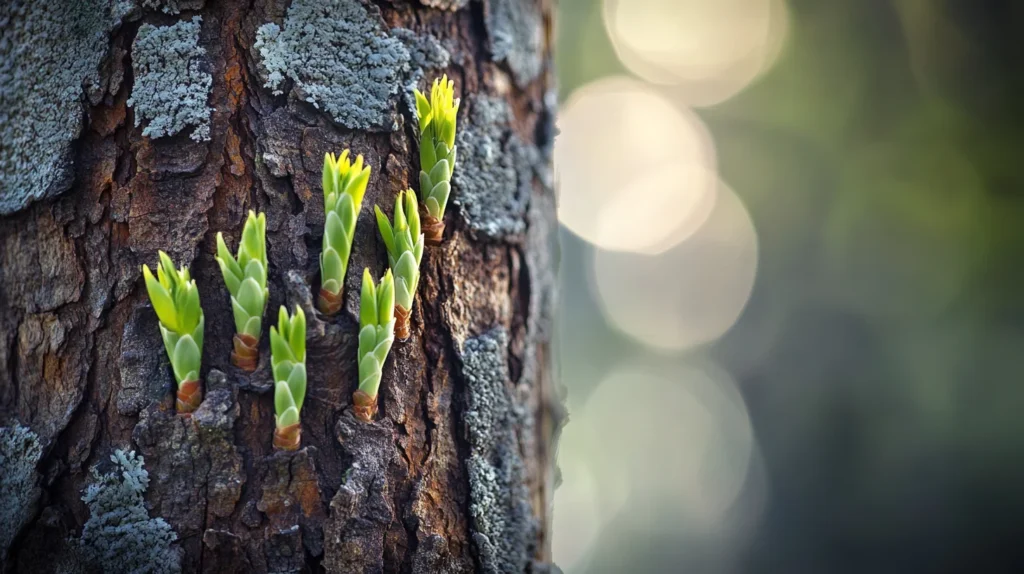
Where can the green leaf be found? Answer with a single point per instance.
(283, 399)
(250, 297)
(369, 375)
(230, 279)
(451, 158)
(186, 359)
(331, 268)
(297, 337)
(367, 339)
(386, 232)
(403, 292)
(407, 268)
(229, 259)
(422, 109)
(368, 300)
(425, 184)
(297, 384)
(189, 310)
(257, 271)
(328, 175)
(440, 193)
(386, 298)
(433, 207)
(279, 349)
(288, 418)
(346, 211)
(241, 316)
(161, 299)
(382, 349)
(334, 230)
(170, 339)
(427, 156)
(170, 273)
(357, 189)
(252, 327)
(197, 333)
(440, 172)
(417, 250)
(282, 370)
(412, 211)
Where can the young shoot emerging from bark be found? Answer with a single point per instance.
(344, 187)
(376, 334)
(176, 300)
(288, 362)
(437, 153)
(405, 249)
(246, 279)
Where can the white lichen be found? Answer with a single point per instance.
(339, 59)
(20, 452)
(171, 87)
(119, 535)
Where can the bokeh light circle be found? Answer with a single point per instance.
(709, 49)
(690, 294)
(635, 172)
(678, 439)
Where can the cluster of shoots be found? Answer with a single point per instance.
(404, 243)
(246, 278)
(376, 335)
(288, 362)
(344, 186)
(437, 153)
(175, 299)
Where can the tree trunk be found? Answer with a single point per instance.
(193, 113)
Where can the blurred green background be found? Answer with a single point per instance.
(790, 313)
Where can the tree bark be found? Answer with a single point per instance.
(455, 475)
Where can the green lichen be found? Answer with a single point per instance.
(339, 59)
(47, 55)
(171, 87)
(119, 535)
(20, 452)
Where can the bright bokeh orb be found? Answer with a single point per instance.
(635, 172)
(708, 50)
(692, 293)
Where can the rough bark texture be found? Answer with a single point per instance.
(455, 475)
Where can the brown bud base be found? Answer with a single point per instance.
(287, 438)
(247, 353)
(402, 322)
(433, 230)
(190, 396)
(329, 303)
(364, 406)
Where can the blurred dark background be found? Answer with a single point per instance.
(792, 342)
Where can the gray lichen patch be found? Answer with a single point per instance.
(502, 520)
(171, 87)
(172, 6)
(339, 59)
(446, 4)
(493, 175)
(426, 53)
(514, 30)
(47, 55)
(20, 452)
(119, 535)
